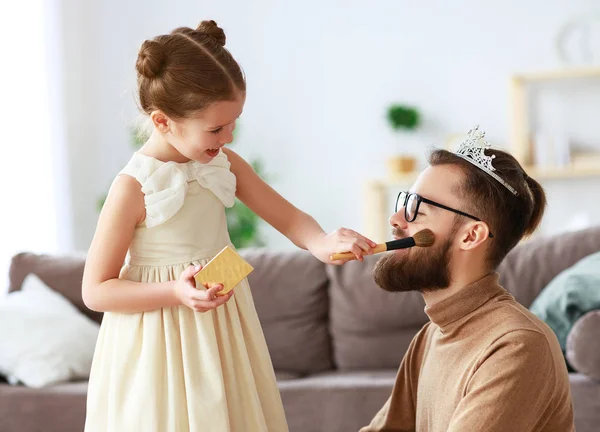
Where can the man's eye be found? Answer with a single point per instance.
(216, 131)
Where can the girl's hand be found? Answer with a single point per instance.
(198, 299)
(341, 240)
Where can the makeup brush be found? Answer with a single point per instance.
(423, 238)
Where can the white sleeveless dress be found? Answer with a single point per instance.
(174, 369)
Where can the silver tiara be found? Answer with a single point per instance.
(472, 149)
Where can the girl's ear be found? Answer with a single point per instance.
(160, 121)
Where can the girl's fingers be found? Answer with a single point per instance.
(364, 240)
(190, 272)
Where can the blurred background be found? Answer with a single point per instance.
(344, 100)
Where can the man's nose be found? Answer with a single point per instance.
(397, 220)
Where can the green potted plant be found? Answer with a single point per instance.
(402, 118)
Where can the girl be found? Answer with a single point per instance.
(171, 357)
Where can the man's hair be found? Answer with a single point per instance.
(510, 217)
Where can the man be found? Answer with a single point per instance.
(483, 362)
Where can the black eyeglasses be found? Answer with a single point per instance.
(412, 201)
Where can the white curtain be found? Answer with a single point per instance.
(34, 197)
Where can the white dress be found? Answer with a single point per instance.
(174, 369)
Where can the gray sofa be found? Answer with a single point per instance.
(335, 339)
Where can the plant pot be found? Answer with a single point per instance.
(401, 165)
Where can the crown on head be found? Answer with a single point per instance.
(472, 149)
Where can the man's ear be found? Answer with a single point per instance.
(473, 234)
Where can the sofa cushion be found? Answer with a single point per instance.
(290, 293)
(61, 273)
(58, 408)
(530, 266)
(285, 376)
(335, 401)
(586, 402)
(371, 328)
(583, 345)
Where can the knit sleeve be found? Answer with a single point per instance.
(516, 386)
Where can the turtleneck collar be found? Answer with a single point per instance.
(467, 300)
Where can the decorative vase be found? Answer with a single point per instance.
(401, 164)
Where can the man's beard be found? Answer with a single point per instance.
(422, 269)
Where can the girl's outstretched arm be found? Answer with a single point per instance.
(296, 225)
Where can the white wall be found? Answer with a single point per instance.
(320, 75)
(82, 118)
(35, 207)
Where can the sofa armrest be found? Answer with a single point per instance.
(583, 345)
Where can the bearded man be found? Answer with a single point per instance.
(483, 362)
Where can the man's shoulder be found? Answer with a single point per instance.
(513, 328)
(508, 317)
(422, 339)
(427, 329)
(420, 342)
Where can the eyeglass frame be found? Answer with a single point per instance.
(421, 199)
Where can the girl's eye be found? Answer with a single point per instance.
(216, 131)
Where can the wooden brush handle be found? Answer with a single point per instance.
(349, 255)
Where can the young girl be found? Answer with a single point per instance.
(171, 357)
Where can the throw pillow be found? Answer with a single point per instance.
(569, 296)
(44, 339)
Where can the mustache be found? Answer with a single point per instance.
(399, 233)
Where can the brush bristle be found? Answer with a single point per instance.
(424, 238)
